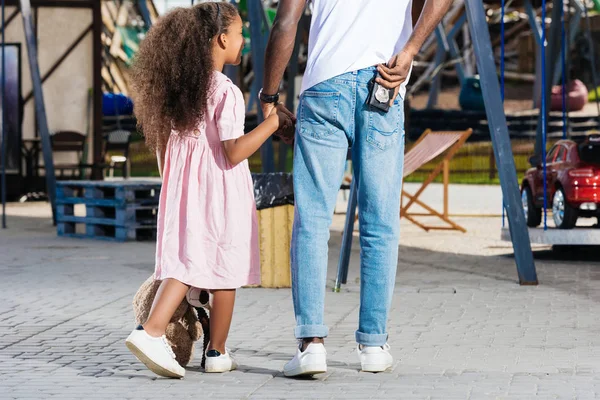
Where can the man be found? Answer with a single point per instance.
(351, 43)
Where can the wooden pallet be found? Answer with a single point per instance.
(119, 211)
(130, 214)
(105, 232)
(102, 193)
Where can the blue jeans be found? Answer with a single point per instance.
(332, 116)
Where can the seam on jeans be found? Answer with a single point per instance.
(311, 93)
(352, 129)
(342, 81)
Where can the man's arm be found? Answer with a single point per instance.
(280, 45)
(432, 14)
(395, 73)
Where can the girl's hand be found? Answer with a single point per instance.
(284, 117)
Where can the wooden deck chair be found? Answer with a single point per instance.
(427, 148)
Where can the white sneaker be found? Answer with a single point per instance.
(217, 362)
(374, 358)
(311, 361)
(155, 353)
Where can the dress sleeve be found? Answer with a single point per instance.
(231, 114)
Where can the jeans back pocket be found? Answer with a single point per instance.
(318, 113)
(385, 128)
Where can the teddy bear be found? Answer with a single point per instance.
(189, 323)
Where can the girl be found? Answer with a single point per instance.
(193, 116)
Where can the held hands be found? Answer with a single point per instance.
(286, 121)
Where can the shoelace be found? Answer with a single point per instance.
(167, 345)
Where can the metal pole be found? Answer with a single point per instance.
(502, 52)
(440, 57)
(143, 6)
(537, 35)
(344, 261)
(592, 60)
(39, 104)
(543, 114)
(501, 142)
(98, 138)
(550, 57)
(563, 57)
(4, 152)
(259, 36)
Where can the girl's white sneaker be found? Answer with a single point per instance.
(217, 362)
(155, 353)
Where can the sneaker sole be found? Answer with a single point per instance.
(212, 370)
(151, 365)
(375, 367)
(306, 370)
(217, 368)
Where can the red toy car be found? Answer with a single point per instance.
(573, 183)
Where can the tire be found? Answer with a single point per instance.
(533, 214)
(565, 216)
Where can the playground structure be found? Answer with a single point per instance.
(116, 26)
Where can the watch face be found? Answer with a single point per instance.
(382, 95)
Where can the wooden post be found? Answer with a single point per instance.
(446, 183)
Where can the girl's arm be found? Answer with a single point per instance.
(238, 150)
(160, 159)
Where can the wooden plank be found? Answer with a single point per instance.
(108, 221)
(153, 11)
(119, 79)
(105, 232)
(275, 230)
(121, 21)
(108, 80)
(112, 8)
(107, 18)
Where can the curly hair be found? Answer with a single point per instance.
(171, 74)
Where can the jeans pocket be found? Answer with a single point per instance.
(385, 128)
(318, 113)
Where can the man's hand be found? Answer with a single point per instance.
(287, 130)
(395, 72)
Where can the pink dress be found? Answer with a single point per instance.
(207, 234)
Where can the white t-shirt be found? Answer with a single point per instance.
(349, 35)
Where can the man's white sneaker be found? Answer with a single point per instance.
(155, 353)
(311, 361)
(217, 362)
(374, 358)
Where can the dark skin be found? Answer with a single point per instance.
(426, 13)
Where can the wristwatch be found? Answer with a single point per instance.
(268, 98)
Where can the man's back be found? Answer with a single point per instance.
(349, 35)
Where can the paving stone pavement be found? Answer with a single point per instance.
(460, 326)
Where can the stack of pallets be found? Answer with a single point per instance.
(119, 210)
